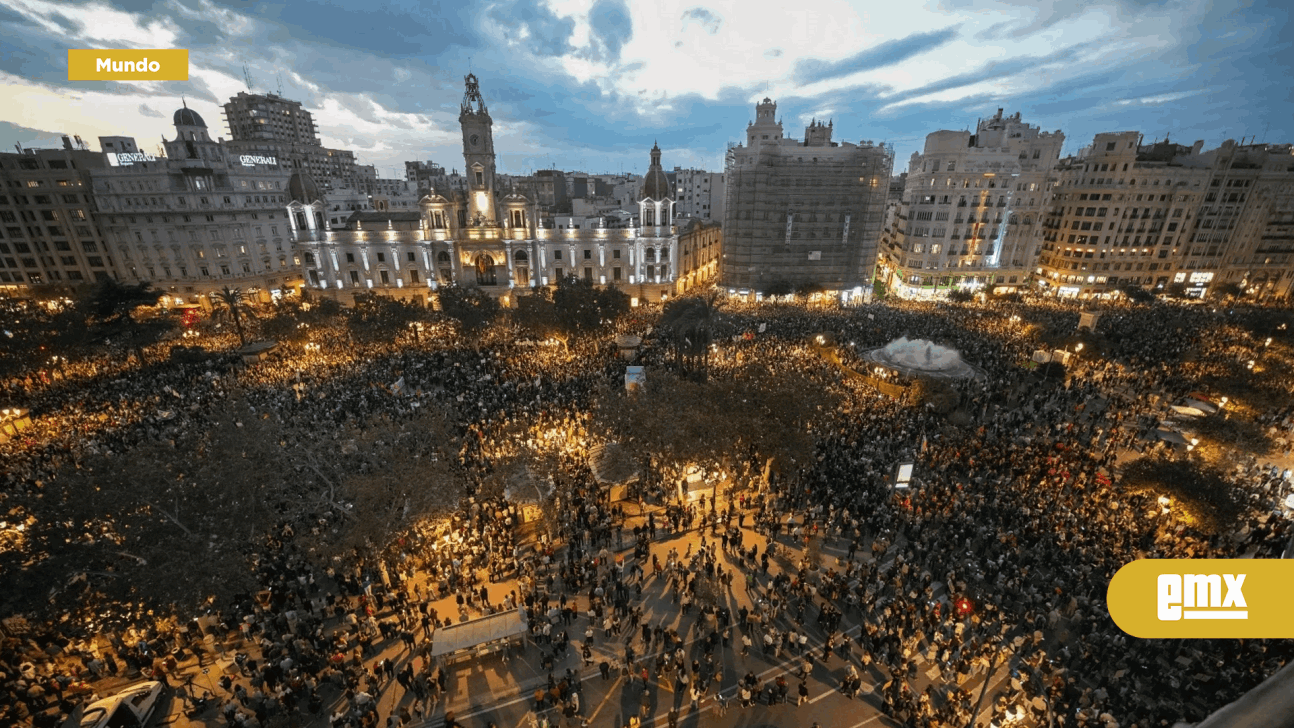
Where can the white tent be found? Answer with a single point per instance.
(478, 632)
(1187, 411)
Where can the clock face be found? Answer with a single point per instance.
(474, 139)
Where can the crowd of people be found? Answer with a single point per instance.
(997, 560)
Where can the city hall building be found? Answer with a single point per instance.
(484, 235)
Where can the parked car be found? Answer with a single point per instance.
(130, 708)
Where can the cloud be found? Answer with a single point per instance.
(1160, 99)
(538, 29)
(597, 80)
(885, 54)
(705, 18)
(611, 25)
(11, 134)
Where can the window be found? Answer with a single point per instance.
(615, 254)
(354, 277)
(557, 255)
(588, 254)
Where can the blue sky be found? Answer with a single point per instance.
(590, 84)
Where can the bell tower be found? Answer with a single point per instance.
(478, 155)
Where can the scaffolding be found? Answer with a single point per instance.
(807, 215)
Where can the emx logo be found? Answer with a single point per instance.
(1205, 598)
(1202, 598)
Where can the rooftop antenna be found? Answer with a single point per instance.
(247, 76)
(280, 78)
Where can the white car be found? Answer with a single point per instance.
(130, 708)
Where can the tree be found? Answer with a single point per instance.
(235, 305)
(879, 290)
(472, 308)
(687, 325)
(1201, 490)
(109, 310)
(576, 309)
(383, 318)
(1223, 291)
(171, 521)
(1175, 290)
(31, 334)
(807, 289)
(960, 295)
(779, 287)
(1137, 294)
(537, 314)
(938, 394)
(613, 303)
(296, 320)
(753, 413)
(112, 302)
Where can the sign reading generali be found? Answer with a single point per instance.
(252, 160)
(125, 159)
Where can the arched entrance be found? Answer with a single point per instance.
(485, 271)
(521, 268)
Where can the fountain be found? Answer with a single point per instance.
(921, 358)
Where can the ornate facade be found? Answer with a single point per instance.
(482, 235)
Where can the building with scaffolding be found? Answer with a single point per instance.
(805, 213)
(971, 211)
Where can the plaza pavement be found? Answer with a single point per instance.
(499, 689)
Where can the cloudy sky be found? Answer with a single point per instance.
(589, 84)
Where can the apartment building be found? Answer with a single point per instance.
(270, 125)
(970, 214)
(48, 235)
(1123, 213)
(700, 248)
(700, 194)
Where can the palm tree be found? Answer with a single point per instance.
(236, 305)
(688, 325)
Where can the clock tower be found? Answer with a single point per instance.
(478, 155)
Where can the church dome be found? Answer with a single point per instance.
(188, 117)
(656, 185)
(302, 188)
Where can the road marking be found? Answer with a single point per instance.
(878, 716)
(610, 694)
